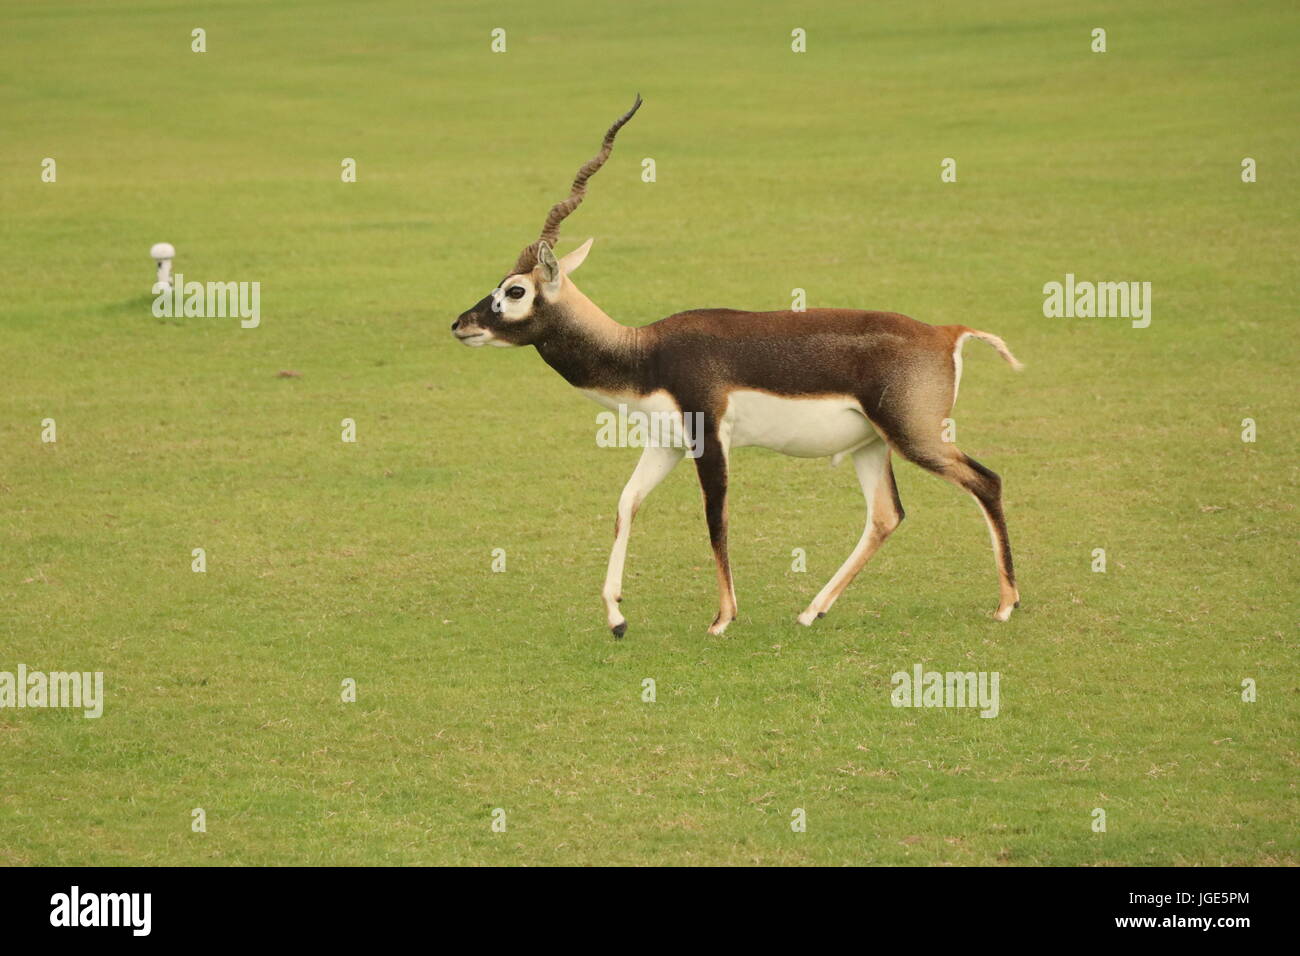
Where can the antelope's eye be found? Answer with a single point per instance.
(516, 291)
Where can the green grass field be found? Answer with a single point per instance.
(373, 560)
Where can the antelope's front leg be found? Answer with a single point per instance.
(712, 468)
(654, 466)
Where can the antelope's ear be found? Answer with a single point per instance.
(576, 258)
(547, 266)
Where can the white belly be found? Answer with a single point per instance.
(803, 427)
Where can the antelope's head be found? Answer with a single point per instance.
(537, 293)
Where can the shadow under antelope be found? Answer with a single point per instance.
(824, 382)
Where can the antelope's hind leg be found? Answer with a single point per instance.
(654, 466)
(884, 514)
(913, 420)
(985, 487)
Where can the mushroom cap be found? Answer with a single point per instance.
(162, 250)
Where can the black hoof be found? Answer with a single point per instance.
(820, 615)
(619, 630)
(1017, 604)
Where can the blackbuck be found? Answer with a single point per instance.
(817, 383)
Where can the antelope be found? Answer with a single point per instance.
(818, 383)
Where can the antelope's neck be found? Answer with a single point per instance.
(592, 351)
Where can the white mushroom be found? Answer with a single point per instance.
(163, 253)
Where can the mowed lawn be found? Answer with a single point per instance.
(373, 561)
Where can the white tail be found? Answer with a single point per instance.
(998, 344)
